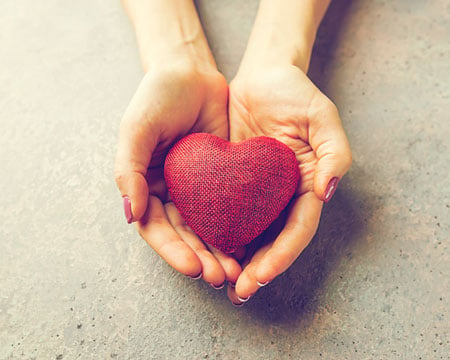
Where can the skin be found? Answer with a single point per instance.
(182, 92)
(271, 95)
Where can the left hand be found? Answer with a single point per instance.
(281, 102)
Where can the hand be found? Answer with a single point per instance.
(170, 102)
(281, 102)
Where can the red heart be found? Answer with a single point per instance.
(229, 193)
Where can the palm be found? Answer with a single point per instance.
(187, 111)
(277, 106)
(168, 105)
(280, 105)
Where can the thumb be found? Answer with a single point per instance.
(330, 144)
(137, 141)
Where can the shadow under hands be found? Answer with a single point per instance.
(293, 297)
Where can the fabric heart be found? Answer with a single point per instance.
(229, 193)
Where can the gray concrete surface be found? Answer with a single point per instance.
(77, 282)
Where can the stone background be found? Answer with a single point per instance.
(77, 282)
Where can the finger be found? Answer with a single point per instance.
(301, 224)
(231, 293)
(212, 271)
(247, 283)
(330, 144)
(138, 137)
(156, 229)
(229, 264)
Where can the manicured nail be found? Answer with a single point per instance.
(244, 299)
(331, 188)
(196, 277)
(237, 305)
(127, 209)
(218, 287)
(262, 284)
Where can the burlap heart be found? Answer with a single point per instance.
(229, 193)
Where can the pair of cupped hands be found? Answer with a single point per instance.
(174, 100)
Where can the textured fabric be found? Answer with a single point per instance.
(229, 193)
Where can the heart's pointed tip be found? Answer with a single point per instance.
(227, 247)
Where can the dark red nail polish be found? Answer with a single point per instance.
(127, 209)
(331, 188)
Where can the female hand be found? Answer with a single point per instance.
(281, 102)
(170, 102)
(181, 92)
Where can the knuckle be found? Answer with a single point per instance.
(323, 109)
(304, 230)
(158, 222)
(183, 227)
(347, 159)
(280, 260)
(141, 232)
(273, 268)
(331, 108)
(118, 177)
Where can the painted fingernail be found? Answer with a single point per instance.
(127, 209)
(331, 188)
(238, 304)
(218, 287)
(196, 277)
(262, 284)
(244, 299)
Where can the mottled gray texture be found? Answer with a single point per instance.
(77, 282)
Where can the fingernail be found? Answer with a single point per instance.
(244, 299)
(262, 284)
(331, 188)
(237, 305)
(218, 287)
(127, 209)
(196, 277)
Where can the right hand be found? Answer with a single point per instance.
(170, 102)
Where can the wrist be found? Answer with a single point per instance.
(183, 53)
(168, 32)
(284, 33)
(269, 49)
